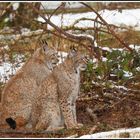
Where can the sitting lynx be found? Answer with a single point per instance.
(55, 104)
(20, 90)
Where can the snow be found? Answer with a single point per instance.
(104, 59)
(138, 69)
(106, 49)
(62, 56)
(133, 133)
(15, 5)
(126, 17)
(127, 74)
(121, 87)
(54, 5)
(136, 47)
(7, 68)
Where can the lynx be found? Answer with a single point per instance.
(56, 103)
(20, 90)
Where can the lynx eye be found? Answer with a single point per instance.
(44, 49)
(54, 55)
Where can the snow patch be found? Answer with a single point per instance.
(62, 55)
(138, 69)
(106, 49)
(121, 87)
(127, 74)
(7, 69)
(54, 5)
(126, 18)
(104, 59)
(15, 6)
(133, 133)
(135, 47)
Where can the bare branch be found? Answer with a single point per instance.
(108, 27)
(81, 19)
(29, 132)
(90, 19)
(59, 7)
(6, 10)
(61, 31)
(66, 28)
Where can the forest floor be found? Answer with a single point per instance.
(97, 115)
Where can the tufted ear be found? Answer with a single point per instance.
(73, 52)
(44, 45)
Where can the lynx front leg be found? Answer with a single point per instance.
(74, 112)
(74, 115)
(67, 111)
(50, 118)
(48, 123)
(42, 123)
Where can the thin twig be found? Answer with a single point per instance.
(66, 28)
(108, 27)
(61, 31)
(59, 7)
(94, 20)
(66, 35)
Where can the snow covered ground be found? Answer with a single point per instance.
(54, 5)
(127, 17)
(7, 69)
(133, 133)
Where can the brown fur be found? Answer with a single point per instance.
(20, 91)
(55, 104)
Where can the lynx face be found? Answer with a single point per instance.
(80, 60)
(50, 54)
(52, 59)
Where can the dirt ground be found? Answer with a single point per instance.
(97, 115)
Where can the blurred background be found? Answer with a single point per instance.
(108, 31)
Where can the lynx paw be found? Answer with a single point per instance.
(54, 129)
(79, 125)
(39, 127)
(75, 126)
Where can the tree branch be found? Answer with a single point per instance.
(108, 27)
(61, 31)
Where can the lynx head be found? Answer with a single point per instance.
(79, 59)
(50, 55)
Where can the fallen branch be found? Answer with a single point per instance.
(66, 28)
(11, 38)
(101, 23)
(29, 132)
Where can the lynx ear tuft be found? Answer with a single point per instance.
(73, 52)
(43, 44)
